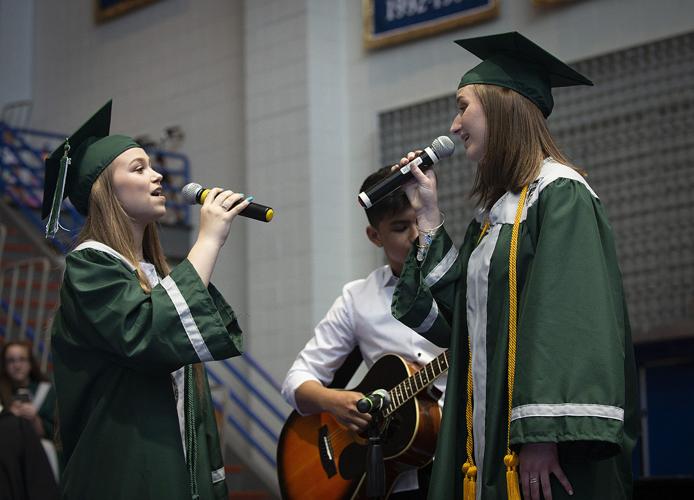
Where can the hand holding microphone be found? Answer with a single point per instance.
(442, 147)
(217, 213)
(219, 209)
(194, 193)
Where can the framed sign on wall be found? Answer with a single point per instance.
(105, 10)
(389, 22)
(545, 3)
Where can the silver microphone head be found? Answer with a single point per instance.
(385, 395)
(190, 191)
(443, 146)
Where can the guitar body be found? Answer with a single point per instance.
(319, 458)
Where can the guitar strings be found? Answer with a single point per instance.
(402, 387)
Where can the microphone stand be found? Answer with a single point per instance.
(375, 468)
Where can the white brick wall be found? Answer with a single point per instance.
(171, 63)
(16, 37)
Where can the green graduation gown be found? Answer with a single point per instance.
(114, 349)
(575, 381)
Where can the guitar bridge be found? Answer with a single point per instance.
(325, 449)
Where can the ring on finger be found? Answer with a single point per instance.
(533, 480)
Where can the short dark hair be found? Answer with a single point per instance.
(391, 204)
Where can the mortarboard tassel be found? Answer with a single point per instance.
(512, 487)
(54, 217)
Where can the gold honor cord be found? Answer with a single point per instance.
(511, 459)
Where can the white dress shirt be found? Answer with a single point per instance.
(361, 316)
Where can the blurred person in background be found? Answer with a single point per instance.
(27, 393)
(25, 473)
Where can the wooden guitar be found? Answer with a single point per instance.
(318, 458)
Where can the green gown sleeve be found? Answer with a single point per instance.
(425, 294)
(572, 325)
(180, 322)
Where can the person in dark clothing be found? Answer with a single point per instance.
(24, 470)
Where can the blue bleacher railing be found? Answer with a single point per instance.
(16, 319)
(22, 153)
(21, 179)
(244, 432)
(252, 388)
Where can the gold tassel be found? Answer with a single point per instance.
(469, 483)
(512, 486)
(464, 468)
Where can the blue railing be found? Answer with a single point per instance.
(16, 319)
(278, 414)
(253, 390)
(271, 434)
(22, 154)
(21, 169)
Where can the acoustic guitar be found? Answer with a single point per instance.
(318, 458)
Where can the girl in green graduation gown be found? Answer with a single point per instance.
(135, 413)
(541, 391)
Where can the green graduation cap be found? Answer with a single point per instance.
(511, 60)
(74, 166)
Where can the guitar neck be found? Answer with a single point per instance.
(413, 385)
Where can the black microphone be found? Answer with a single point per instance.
(194, 193)
(442, 147)
(371, 403)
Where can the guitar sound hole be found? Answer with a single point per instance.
(392, 427)
(352, 460)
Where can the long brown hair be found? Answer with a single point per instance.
(108, 223)
(7, 385)
(517, 141)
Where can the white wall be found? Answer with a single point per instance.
(16, 23)
(176, 62)
(297, 153)
(278, 169)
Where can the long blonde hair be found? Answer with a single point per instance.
(517, 141)
(108, 223)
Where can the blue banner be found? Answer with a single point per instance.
(389, 15)
(393, 21)
(108, 9)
